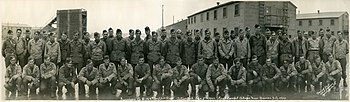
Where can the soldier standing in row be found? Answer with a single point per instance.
(162, 76)
(97, 50)
(8, 48)
(77, 52)
(109, 41)
(272, 48)
(326, 45)
(341, 50)
(258, 45)
(207, 48)
(36, 49)
(153, 50)
(188, 53)
(173, 49)
(128, 40)
(119, 48)
(65, 48)
(285, 50)
(313, 47)
(148, 34)
(226, 50)
(163, 41)
(53, 50)
(242, 49)
(137, 49)
(299, 46)
(21, 48)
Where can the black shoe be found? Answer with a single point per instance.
(345, 84)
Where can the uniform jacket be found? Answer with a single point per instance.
(285, 48)
(340, 49)
(306, 66)
(119, 49)
(66, 48)
(53, 50)
(180, 73)
(109, 44)
(160, 70)
(272, 50)
(213, 73)
(188, 53)
(27, 71)
(327, 44)
(271, 71)
(8, 47)
(300, 47)
(13, 71)
(319, 70)
(289, 71)
(333, 67)
(87, 53)
(137, 49)
(314, 44)
(77, 51)
(108, 72)
(66, 72)
(142, 71)
(125, 72)
(257, 68)
(153, 50)
(21, 46)
(86, 75)
(226, 48)
(172, 49)
(207, 48)
(242, 48)
(199, 70)
(48, 70)
(239, 75)
(258, 45)
(97, 50)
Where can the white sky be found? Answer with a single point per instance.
(126, 14)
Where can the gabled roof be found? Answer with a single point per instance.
(320, 15)
(232, 2)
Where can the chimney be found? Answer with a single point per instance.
(318, 11)
(217, 3)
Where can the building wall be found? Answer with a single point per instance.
(5, 29)
(315, 24)
(182, 25)
(344, 22)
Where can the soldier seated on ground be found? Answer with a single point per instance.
(254, 75)
(237, 79)
(287, 80)
(67, 78)
(162, 76)
(216, 77)
(30, 76)
(180, 80)
(334, 72)
(13, 78)
(270, 76)
(197, 77)
(89, 76)
(107, 77)
(48, 78)
(318, 74)
(304, 69)
(143, 77)
(125, 75)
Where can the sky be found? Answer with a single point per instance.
(130, 14)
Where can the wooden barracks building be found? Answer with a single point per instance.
(235, 15)
(335, 21)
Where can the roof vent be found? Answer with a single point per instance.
(217, 3)
(318, 11)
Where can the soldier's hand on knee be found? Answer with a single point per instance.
(199, 79)
(250, 82)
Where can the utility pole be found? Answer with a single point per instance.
(163, 16)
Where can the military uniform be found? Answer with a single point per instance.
(143, 71)
(334, 72)
(254, 80)
(272, 50)
(237, 76)
(128, 44)
(173, 49)
(53, 50)
(107, 76)
(288, 78)
(13, 79)
(118, 50)
(285, 52)
(180, 81)
(109, 44)
(137, 49)
(299, 48)
(30, 75)
(313, 49)
(68, 78)
(216, 74)
(65, 47)
(163, 75)
(341, 50)
(163, 46)
(21, 51)
(36, 50)
(153, 50)
(188, 53)
(207, 49)
(270, 75)
(48, 78)
(77, 54)
(97, 51)
(242, 50)
(125, 79)
(258, 47)
(326, 46)
(319, 74)
(198, 70)
(304, 74)
(8, 50)
(88, 76)
(87, 53)
(226, 48)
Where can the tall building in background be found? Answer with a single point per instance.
(13, 26)
(235, 15)
(182, 25)
(335, 21)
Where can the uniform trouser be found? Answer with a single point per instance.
(269, 85)
(166, 83)
(97, 63)
(229, 62)
(201, 92)
(33, 87)
(128, 87)
(287, 85)
(68, 86)
(145, 85)
(317, 84)
(221, 84)
(92, 88)
(48, 86)
(109, 86)
(343, 66)
(81, 87)
(336, 78)
(312, 55)
(256, 86)
(237, 90)
(8, 58)
(301, 81)
(13, 85)
(22, 59)
(151, 63)
(181, 90)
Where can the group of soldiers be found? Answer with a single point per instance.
(245, 63)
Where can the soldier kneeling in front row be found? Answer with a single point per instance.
(237, 79)
(162, 76)
(13, 78)
(216, 77)
(30, 76)
(89, 76)
(67, 78)
(180, 80)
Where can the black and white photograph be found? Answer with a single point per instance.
(166, 50)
